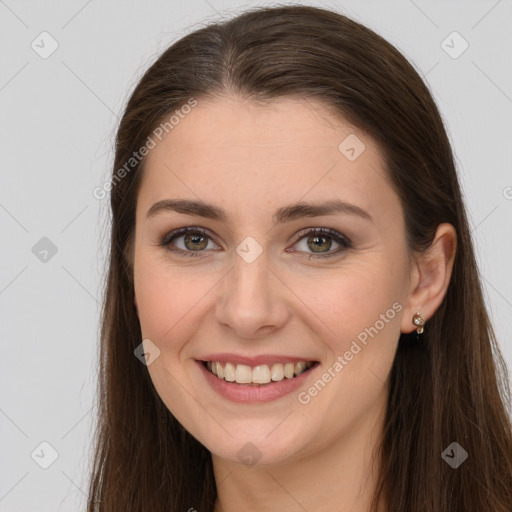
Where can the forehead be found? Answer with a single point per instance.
(249, 155)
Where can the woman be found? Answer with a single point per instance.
(293, 317)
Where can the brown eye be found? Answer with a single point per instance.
(320, 240)
(317, 243)
(197, 242)
(187, 241)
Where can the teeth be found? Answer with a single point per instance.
(299, 367)
(220, 371)
(243, 374)
(229, 372)
(277, 372)
(289, 370)
(261, 374)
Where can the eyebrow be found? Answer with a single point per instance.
(283, 214)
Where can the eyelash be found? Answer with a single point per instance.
(330, 233)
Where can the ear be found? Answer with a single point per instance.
(430, 277)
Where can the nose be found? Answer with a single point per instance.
(251, 301)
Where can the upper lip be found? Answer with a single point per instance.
(253, 360)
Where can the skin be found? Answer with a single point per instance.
(250, 160)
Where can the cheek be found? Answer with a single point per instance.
(360, 311)
(348, 301)
(170, 303)
(166, 312)
(162, 302)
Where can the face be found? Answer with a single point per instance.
(255, 282)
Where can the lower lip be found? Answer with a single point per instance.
(254, 394)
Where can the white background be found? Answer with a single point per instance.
(57, 125)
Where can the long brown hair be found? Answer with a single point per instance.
(451, 385)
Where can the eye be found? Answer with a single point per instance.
(193, 241)
(319, 241)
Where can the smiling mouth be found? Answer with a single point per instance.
(261, 375)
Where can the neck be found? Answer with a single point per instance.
(341, 476)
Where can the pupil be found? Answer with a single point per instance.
(318, 243)
(196, 239)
